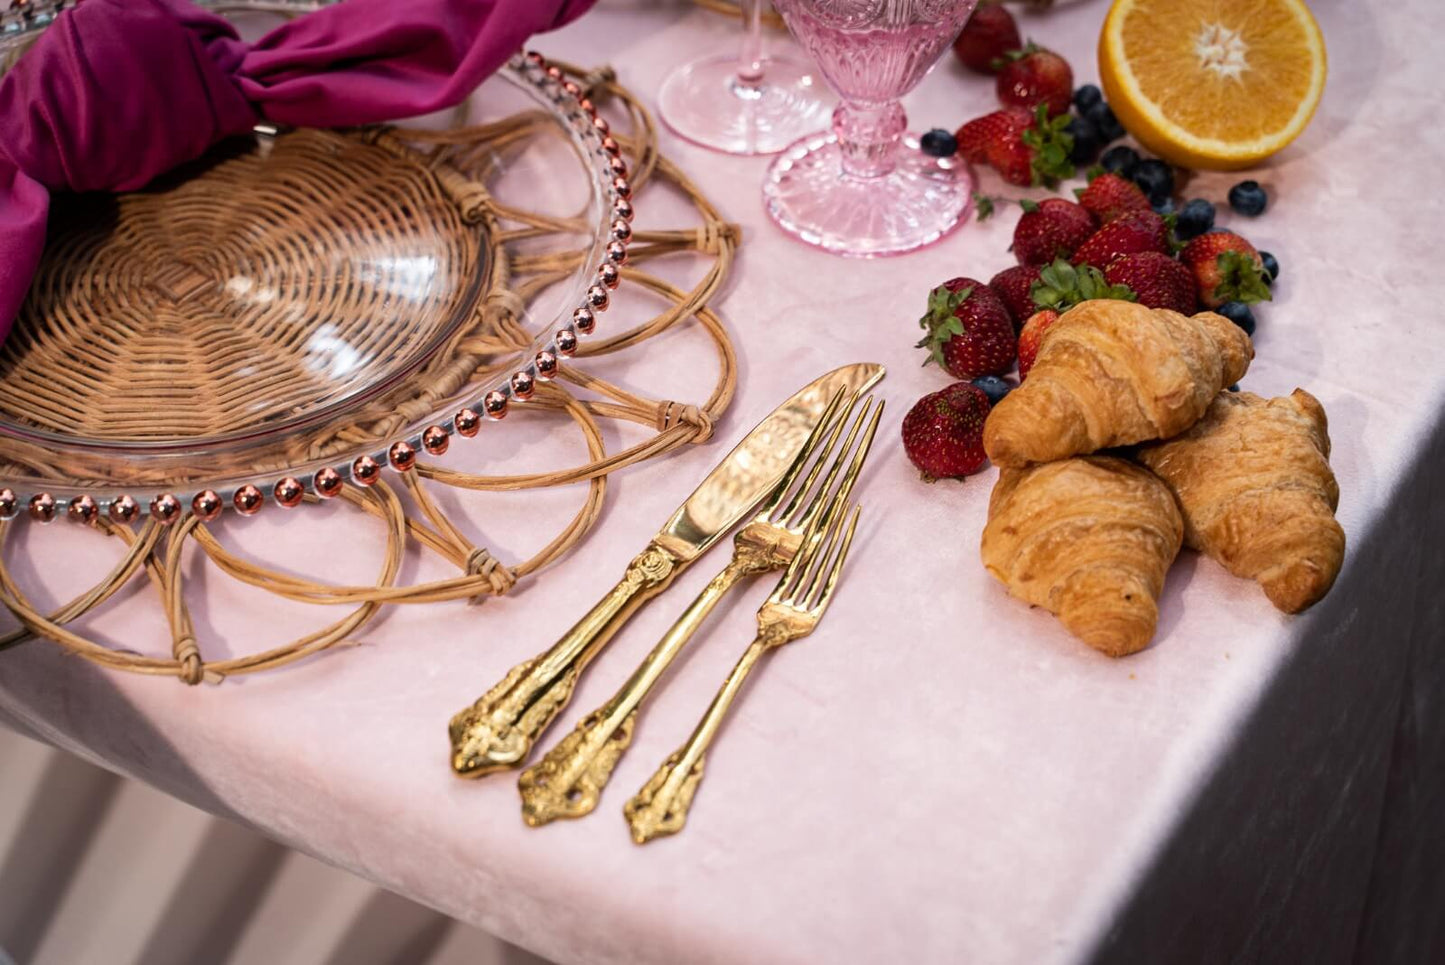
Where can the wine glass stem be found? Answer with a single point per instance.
(750, 57)
(868, 137)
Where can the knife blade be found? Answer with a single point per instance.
(498, 730)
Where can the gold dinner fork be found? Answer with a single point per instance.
(568, 780)
(792, 611)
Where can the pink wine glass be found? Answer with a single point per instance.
(745, 104)
(865, 188)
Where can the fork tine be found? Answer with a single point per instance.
(799, 564)
(854, 467)
(817, 564)
(835, 566)
(823, 456)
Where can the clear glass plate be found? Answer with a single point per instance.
(299, 303)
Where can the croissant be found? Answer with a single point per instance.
(1254, 482)
(1112, 373)
(1089, 539)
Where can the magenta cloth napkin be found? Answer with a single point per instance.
(116, 92)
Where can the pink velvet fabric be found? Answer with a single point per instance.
(116, 92)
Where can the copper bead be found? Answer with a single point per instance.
(617, 253)
(327, 482)
(622, 188)
(600, 123)
(206, 505)
(83, 510)
(609, 275)
(124, 510)
(566, 340)
(166, 508)
(248, 500)
(402, 456)
(535, 58)
(617, 166)
(570, 86)
(523, 385)
(585, 320)
(288, 492)
(365, 471)
(496, 404)
(42, 507)
(610, 145)
(621, 231)
(554, 72)
(467, 422)
(435, 440)
(623, 209)
(546, 366)
(598, 298)
(9, 504)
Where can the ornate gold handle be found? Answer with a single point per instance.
(568, 780)
(498, 731)
(661, 806)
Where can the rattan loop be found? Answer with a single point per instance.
(482, 563)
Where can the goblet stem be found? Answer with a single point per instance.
(750, 55)
(868, 137)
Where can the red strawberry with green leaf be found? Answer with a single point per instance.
(989, 34)
(1061, 286)
(1025, 149)
(1108, 196)
(1157, 281)
(943, 432)
(1029, 338)
(1014, 286)
(969, 330)
(1034, 76)
(1125, 235)
(1049, 229)
(1226, 269)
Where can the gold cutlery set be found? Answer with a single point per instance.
(801, 464)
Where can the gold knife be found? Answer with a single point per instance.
(498, 731)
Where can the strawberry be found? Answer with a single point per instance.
(1014, 286)
(979, 138)
(1035, 76)
(1226, 269)
(1061, 286)
(969, 330)
(1140, 231)
(989, 34)
(1157, 280)
(1026, 150)
(1053, 228)
(1034, 329)
(1108, 196)
(943, 432)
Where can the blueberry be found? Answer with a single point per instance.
(1195, 218)
(1121, 160)
(1234, 387)
(1155, 178)
(938, 143)
(1271, 266)
(1086, 140)
(1087, 96)
(1248, 198)
(1103, 117)
(1239, 314)
(993, 387)
(1165, 207)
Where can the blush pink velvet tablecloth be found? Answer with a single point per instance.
(940, 774)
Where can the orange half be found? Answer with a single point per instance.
(1219, 84)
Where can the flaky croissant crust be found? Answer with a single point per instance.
(1254, 483)
(1090, 540)
(1113, 373)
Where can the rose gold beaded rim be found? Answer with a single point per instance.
(364, 471)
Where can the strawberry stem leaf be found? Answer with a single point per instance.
(1241, 279)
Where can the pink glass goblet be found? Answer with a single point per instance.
(750, 103)
(865, 188)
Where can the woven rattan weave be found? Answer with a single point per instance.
(145, 275)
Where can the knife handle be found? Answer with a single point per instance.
(498, 731)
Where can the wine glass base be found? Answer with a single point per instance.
(705, 103)
(919, 202)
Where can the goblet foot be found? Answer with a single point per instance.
(920, 201)
(705, 102)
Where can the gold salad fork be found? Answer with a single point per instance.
(568, 780)
(792, 611)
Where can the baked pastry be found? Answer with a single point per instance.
(1089, 539)
(1254, 483)
(1113, 373)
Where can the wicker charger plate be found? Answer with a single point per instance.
(486, 264)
